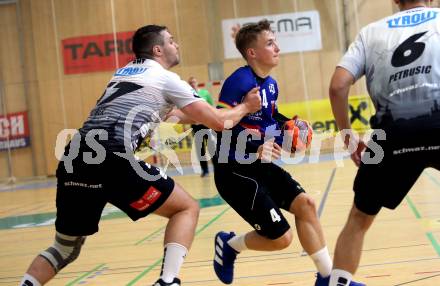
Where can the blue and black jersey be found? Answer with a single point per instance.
(261, 125)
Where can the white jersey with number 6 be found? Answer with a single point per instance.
(400, 57)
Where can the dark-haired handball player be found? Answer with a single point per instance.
(258, 189)
(141, 94)
(399, 56)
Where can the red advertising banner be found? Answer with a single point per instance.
(96, 53)
(14, 131)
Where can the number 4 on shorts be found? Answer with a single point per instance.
(275, 216)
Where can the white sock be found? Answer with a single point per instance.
(174, 254)
(323, 262)
(340, 277)
(238, 243)
(29, 280)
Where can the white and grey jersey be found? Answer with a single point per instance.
(400, 57)
(136, 99)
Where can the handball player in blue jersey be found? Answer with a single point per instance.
(245, 176)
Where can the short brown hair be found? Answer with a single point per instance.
(248, 34)
(145, 39)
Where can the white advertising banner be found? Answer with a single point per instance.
(295, 32)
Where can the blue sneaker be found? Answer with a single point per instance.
(321, 281)
(224, 257)
(354, 283)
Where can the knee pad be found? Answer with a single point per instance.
(64, 251)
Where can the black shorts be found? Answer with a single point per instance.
(257, 192)
(82, 194)
(407, 150)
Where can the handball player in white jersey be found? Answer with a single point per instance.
(399, 56)
(99, 165)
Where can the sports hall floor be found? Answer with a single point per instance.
(402, 248)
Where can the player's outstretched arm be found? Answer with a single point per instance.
(181, 117)
(339, 89)
(217, 119)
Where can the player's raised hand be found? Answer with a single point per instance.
(252, 100)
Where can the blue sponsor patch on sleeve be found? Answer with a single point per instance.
(129, 71)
